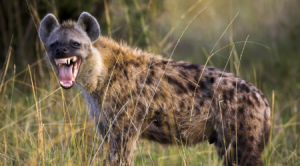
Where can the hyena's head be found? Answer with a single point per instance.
(68, 45)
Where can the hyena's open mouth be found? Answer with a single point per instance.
(67, 70)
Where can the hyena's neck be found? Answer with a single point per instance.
(92, 73)
(108, 57)
(114, 54)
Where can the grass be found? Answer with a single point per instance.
(41, 124)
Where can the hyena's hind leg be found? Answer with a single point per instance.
(246, 153)
(245, 147)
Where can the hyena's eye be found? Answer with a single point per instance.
(53, 45)
(76, 44)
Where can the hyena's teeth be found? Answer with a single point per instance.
(74, 59)
(66, 84)
(56, 62)
(75, 69)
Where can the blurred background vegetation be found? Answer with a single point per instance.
(270, 60)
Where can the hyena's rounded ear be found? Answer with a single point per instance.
(90, 25)
(47, 25)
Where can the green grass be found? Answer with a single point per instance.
(41, 124)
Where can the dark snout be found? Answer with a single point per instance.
(62, 50)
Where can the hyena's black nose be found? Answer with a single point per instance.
(61, 50)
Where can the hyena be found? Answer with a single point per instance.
(132, 94)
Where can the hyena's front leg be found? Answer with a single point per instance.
(122, 145)
(102, 126)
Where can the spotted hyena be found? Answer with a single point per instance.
(135, 94)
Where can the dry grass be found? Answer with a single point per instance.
(41, 124)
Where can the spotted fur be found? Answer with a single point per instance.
(135, 94)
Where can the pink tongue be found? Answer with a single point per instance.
(65, 73)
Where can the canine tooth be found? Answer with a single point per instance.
(74, 59)
(55, 61)
(75, 73)
(61, 82)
